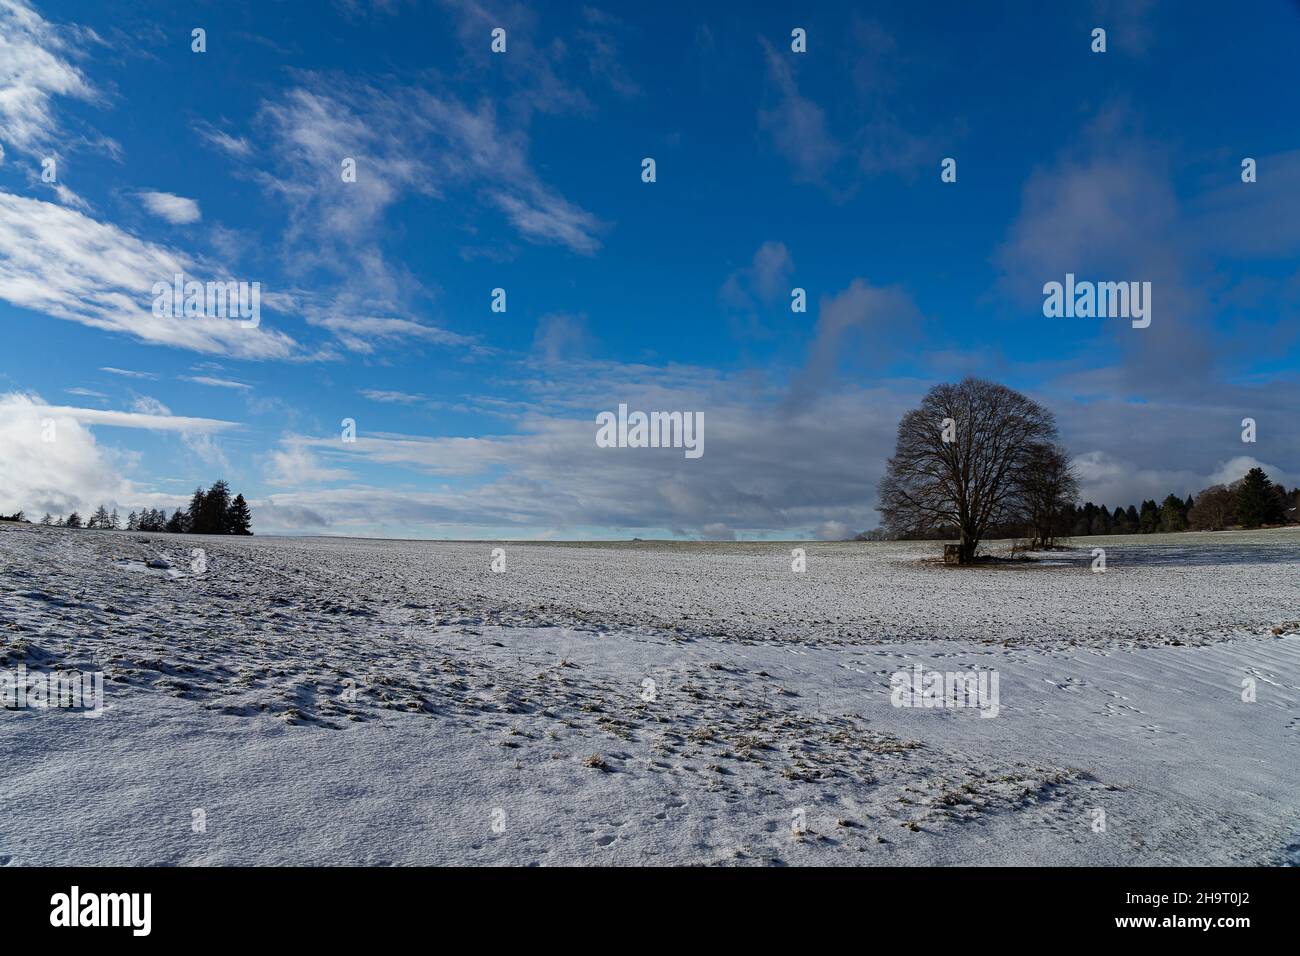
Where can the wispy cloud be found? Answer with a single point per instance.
(416, 141)
(407, 143)
(392, 397)
(867, 135)
(157, 420)
(765, 280)
(61, 263)
(34, 68)
(294, 464)
(235, 146)
(796, 124)
(1106, 207)
(127, 373)
(215, 382)
(561, 335)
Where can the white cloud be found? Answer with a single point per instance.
(764, 468)
(359, 332)
(561, 335)
(834, 531)
(175, 209)
(195, 433)
(877, 318)
(293, 463)
(717, 531)
(543, 216)
(64, 264)
(1105, 208)
(1236, 467)
(127, 373)
(214, 382)
(69, 198)
(69, 473)
(154, 417)
(412, 141)
(33, 70)
(771, 466)
(796, 124)
(391, 397)
(1105, 478)
(766, 279)
(236, 146)
(70, 470)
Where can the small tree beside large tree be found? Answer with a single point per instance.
(1049, 487)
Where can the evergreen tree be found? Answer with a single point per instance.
(216, 504)
(1083, 519)
(74, 520)
(1281, 505)
(113, 522)
(1171, 514)
(47, 519)
(1065, 521)
(176, 523)
(1149, 517)
(239, 520)
(1101, 521)
(1254, 499)
(1119, 522)
(99, 519)
(132, 522)
(195, 513)
(1131, 519)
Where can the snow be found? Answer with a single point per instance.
(508, 719)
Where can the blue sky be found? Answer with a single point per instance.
(522, 171)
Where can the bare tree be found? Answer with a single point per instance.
(1048, 486)
(961, 460)
(1212, 510)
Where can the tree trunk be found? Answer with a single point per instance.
(968, 545)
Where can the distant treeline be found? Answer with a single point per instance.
(210, 512)
(1252, 501)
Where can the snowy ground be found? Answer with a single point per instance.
(649, 703)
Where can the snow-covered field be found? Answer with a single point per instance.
(354, 701)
